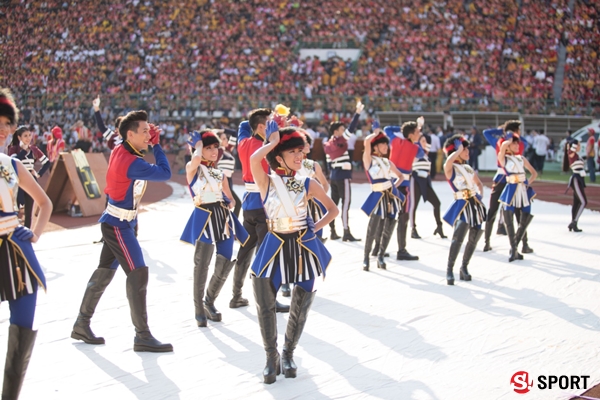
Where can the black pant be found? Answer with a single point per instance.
(117, 249)
(579, 200)
(415, 197)
(341, 190)
(255, 223)
(433, 158)
(497, 189)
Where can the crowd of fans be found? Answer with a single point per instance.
(176, 58)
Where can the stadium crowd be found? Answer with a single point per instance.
(175, 58)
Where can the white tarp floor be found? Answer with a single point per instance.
(399, 333)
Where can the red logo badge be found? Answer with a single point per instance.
(519, 382)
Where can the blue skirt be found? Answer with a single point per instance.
(515, 195)
(300, 256)
(385, 204)
(471, 211)
(199, 220)
(20, 271)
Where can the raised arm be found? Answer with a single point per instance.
(354, 123)
(448, 166)
(191, 167)
(258, 173)
(366, 158)
(502, 153)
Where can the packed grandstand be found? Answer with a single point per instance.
(182, 57)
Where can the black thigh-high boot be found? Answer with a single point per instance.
(372, 230)
(509, 224)
(137, 287)
(525, 249)
(489, 226)
(386, 235)
(18, 354)
(264, 294)
(474, 236)
(94, 290)
(222, 268)
(239, 274)
(458, 236)
(401, 231)
(301, 303)
(523, 224)
(202, 255)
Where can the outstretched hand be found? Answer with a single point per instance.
(375, 126)
(96, 103)
(359, 107)
(272, 127)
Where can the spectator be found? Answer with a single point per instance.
(540, 144)
(590, 152)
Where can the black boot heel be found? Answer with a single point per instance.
(272, 369)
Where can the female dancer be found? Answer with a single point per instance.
(385, 200)
(28, 154)
(290, 252)
(467, 212)
(577, 183)
(20, 272)
(211, 222)
(517, 193)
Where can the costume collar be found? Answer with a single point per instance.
(284, 171)
(132, 149)
(207, 163)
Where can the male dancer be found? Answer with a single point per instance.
(125, 185)
(420, 186)
(512, 127)
(402, 154)
(251, 135)
(336, 150)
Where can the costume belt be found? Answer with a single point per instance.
(121, 213)
(516, 178)
(207, 197)
(251, 187)
(8, 224)
(465, 194)
(381, 186)
(287, 224)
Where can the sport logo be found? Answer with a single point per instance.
(519, 382)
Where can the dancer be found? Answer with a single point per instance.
(125, 185)
(312, 169)
(420, 185)
(111, 137)
(19, 268)
(385, 201)
(251, 135)
(517, 193)
(210, 223)
(22, 149)
(336, 150)
(467, 213)
(226, 163)
(495, 138)
(577, 183)
(403, 151)
(289, 253)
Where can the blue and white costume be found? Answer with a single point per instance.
(516, 193)
(467, 205)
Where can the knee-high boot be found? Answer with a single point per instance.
(474, 236)
(202, 255)
(401, 231)
(137, 286)
(372, 229)
(264, 294)
(239, 274)
(512, 236)
(18, 354)
(93, 292)
(301, 303)
(458, 236)
(222, 268)
(489, 226)
(525, 249)
(386, 235)
(522, 231)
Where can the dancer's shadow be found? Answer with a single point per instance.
(365, 380)
(158, 385)
(403, 339)
(160, 269)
